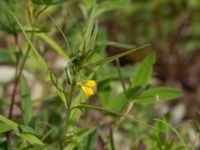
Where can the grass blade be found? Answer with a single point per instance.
(176, 132)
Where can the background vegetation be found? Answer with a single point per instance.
(85, 74)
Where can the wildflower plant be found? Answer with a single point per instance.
(87, 74)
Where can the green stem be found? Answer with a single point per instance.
(112, 145)
(115, 113)
(68, 111)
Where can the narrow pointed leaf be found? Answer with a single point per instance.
(4, 128)
(49, 2)
(26, 102)
(88, 33)
(33, 140)
(9, 122)
(115, 57)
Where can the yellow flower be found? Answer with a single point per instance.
(91, 83)
(88, 87)
(87, 90)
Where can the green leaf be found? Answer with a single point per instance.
(58, 86)
(115, 57)
(70, 146)
(158, 94)
(33, 140)
(117, 102)
(89, 139)
(49, 2)
(106, 6)
(161, 126)
(182, 140)
(26, 102)
(104, 91)
(134, 92)
(144, 71)
(7, 28)
(55, 2)
(9, 123)
(4, 128)
(120, 45)
(48, 133)
(54, 45)
(89, 38)
(43, 2)
(27, 129)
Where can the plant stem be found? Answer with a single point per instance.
(18, 75)
(130, 106)
(68, 111)
(16, 84)
(19, 71)
(122, 118)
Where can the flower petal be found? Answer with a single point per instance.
(91, 83)
(87, 90)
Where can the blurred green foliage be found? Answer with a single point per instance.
(52, 48)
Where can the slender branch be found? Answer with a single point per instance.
(131, 118)
(41, 11)
(18, 75)
(122, 118)
(16, 84)
(130, 106)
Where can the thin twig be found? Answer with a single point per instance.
(122, 118)
(16, 84)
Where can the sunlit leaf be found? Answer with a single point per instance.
(33, 140)
(9, 123)
(4, 128)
